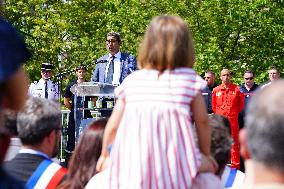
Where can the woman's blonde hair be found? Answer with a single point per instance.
(167, 44)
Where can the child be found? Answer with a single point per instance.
(152, 121)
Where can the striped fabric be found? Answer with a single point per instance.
(47, 175)
(154, 146)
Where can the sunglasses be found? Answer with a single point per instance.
(111, 41)
(249, 78)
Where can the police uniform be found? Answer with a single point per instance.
(38, 89)
(229, 101)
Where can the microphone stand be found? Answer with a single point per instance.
(59, 79)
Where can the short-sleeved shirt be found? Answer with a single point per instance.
(69, 94)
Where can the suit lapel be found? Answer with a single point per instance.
(103, 68)
(122, 65)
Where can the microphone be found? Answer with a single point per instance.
(100, 61)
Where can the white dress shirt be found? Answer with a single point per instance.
(37, 89)
(117, 68)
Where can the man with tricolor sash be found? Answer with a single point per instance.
(39, 127)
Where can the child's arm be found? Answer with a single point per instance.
(200, 118)
(110, 132)
(208, 164)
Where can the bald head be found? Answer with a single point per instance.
(265, 126)
(225, 76)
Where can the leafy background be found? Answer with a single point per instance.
(236, 34)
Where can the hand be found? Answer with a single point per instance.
(102, 163)
(213, 163)
(208, 164)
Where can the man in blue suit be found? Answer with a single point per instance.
(113, 67)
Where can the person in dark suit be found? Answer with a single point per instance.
(39, 129)
(113, 67)
(209, 77)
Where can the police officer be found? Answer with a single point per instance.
(45, 88)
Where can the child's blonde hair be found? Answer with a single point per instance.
(167, 44)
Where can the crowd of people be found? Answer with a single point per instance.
(169, 127)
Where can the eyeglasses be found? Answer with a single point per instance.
(249, 78)
(111, 41)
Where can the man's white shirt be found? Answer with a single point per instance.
(37, 89)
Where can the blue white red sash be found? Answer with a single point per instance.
(231, 178)
(47, 175)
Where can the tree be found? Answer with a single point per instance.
(238, 35)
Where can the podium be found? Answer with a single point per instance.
(94, 89)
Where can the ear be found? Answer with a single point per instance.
(51, 137)
(243, 144)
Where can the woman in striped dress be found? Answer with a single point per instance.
(151, 126)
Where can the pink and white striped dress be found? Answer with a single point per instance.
(154, 146)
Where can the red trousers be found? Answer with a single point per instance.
(235, 151)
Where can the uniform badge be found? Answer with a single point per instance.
(218, 94)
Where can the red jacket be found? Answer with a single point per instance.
(227, 101)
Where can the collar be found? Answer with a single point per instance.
(35, 152)
(43, 81)
(223, 86)
(117, 56)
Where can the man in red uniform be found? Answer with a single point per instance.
(227, 100)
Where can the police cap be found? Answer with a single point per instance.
(45, 66)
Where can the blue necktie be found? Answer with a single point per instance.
(109, 77)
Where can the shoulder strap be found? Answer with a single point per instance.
(37, 174)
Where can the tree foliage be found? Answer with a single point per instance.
(238, 35)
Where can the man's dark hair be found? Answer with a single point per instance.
(210, 72)
(116, 35)
(81, 67)
(37, 119)
(249, 71)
